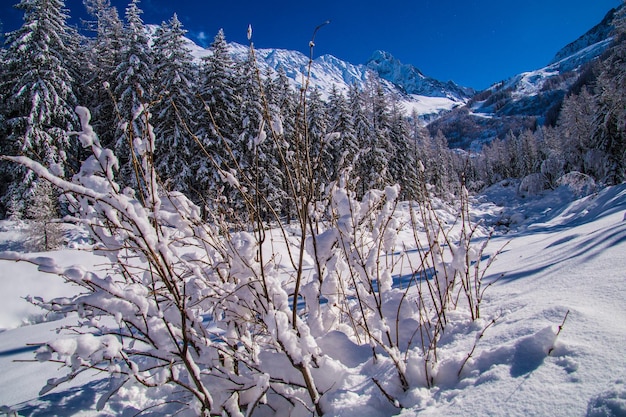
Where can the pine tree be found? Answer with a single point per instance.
(418, 147)
(173, 111)
(380, 149)
(610, 124)
(284, 111)
(342, 149)
(439, 167)
(132, 90)
(44, 231)
(319, 146)
(257, 147)
(402, 163)
(38, 101)
(218, 116)
(576, 125)
(100, 69)
(363, 132)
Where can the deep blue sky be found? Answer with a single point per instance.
(472, 42)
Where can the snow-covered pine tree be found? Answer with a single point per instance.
(402, 165)
(218, 116)
(343, 149)
(380, 148)
(318, 139)
(38, 100)
(439, 166)
(258, 143)
(363, 132)
(174, 108)
(284, 108)
(279, 109)
(99, 70)
(610, 125)
(285, 99)
(44, 231)
(419, 148)
(132, 90)
(576, 125)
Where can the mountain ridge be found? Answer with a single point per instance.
(528, 99)
(466, 116)
(434, 98)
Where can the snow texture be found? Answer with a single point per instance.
(571, 261)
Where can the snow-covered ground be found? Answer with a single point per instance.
(564, 263)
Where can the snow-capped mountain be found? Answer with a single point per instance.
(527, 99)
(415, 91)
(466, 117)
(411, 80)
(598, 33)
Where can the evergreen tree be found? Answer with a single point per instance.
(44, 231)
(38, 101)
(219, 92)
(319, 146)
(132, 83)
(363, 134)
(439, 167)
(576, 125)
(100, 69)
(402, 163)
(257, 147)
(419, 149)
(284, 111)
(343, 149)
(218, 116)
(173, 111)
(610, 130)
(380, 149)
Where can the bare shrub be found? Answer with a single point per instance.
(229, 319)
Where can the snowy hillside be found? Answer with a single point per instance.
(527, 86)
(596, 34)
(528, 99)
(563, 264)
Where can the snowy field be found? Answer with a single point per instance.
(564, 265)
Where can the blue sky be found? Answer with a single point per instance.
(472, 42)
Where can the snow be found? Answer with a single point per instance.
(425, 105)
(550, 340)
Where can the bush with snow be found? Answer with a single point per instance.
(532, 185)
(228, 321)
(578, 183)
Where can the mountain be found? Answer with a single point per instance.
(466, 117)
(528, 99)
(415, 91)
(411, 80)
(598, 33)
